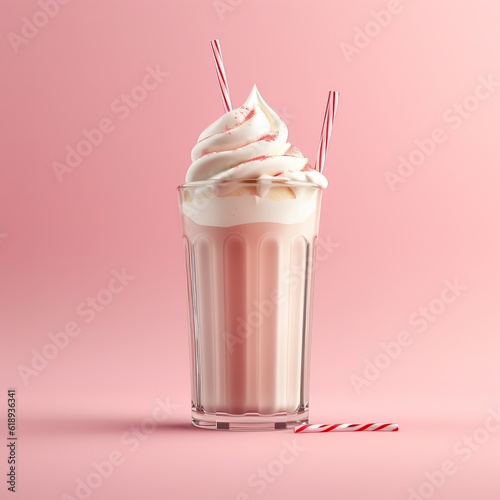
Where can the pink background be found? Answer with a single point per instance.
(60, 241)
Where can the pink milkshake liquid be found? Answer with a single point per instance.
(249, 249)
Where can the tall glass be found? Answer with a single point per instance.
(249, 252)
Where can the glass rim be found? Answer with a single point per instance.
(278, 181)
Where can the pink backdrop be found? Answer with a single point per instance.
(413, 202)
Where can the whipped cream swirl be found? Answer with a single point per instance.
(250, 142)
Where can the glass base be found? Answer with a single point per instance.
(249, 421)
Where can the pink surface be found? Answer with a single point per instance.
(421, 87)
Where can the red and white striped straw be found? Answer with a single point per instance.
(221, 74)
(326, 131)
(347, 427)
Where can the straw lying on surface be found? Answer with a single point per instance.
(346, 427)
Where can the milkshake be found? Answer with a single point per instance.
(250, 210)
